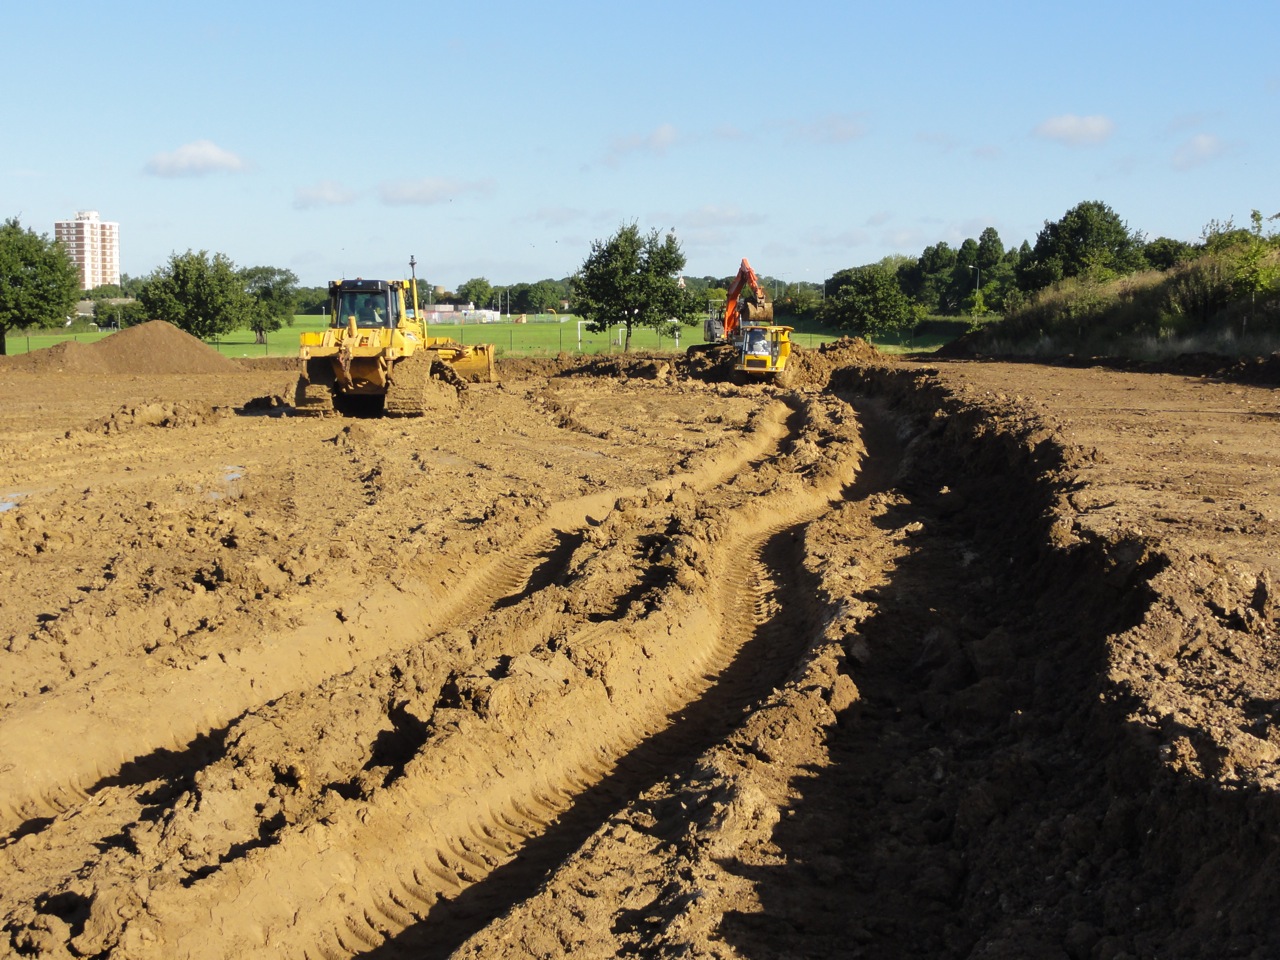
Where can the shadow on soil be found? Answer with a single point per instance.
(986, 797)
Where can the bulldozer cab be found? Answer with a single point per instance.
(369, 309)
(374, 303)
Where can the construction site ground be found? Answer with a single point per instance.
(927, 658)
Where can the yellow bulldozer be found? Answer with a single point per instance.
(376, 350)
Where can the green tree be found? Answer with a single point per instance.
(129, 286)
(519, 298)
(1256, 267)
(634, 281)
(990, 249)
(543, 296)
(274, 292)
(928, 280)
(315, 300)
(1089, 241)
(1162, 253)
(203, 296)
(38, 282)
(106, 291)
(477, 290)
(118, 313)
(1221, 235)
(868, 301)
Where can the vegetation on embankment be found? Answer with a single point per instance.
(1223, 297)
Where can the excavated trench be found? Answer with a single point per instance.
(846, 684)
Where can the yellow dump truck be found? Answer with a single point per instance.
(377, 347)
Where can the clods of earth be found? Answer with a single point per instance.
(927, 658)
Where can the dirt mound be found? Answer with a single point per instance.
(571, 365)
(521, 368)
(712, 364)
(813, 368)
(154, 347)
(805, 368)
(269, 363)
(180, 414)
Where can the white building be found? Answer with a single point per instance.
(94, 246)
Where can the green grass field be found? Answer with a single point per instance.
(544, 336)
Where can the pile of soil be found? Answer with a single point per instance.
(574, 365)
(813, 368)
(154, 347)
(179, 414)
(806, 368)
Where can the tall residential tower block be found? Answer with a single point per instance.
(94, 246)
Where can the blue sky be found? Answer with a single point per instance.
(498, 139)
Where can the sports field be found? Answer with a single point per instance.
(544, 335)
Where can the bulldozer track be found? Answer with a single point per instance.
(423, 844)
(266, 667)
(448, 847)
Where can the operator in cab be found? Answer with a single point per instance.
(371, 312)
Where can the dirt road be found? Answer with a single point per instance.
(955, 659)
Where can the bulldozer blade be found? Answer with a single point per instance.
(477, 365)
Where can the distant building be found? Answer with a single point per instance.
(94, 246)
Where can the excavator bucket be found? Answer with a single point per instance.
(758, 313)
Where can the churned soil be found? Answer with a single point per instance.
(926, 658)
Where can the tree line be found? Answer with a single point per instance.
(210, 296)
(1090, 243)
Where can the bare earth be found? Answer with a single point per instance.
(945, 659)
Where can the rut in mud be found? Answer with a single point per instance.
(613, 661)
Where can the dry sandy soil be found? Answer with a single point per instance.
(945, 659)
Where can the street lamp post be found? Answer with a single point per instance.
(413, 274)
(977, 280)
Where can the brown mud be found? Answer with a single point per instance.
(947, 659)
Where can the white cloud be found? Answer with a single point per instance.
(429, 191)
(555, 216)
(1076, 131)
(835, 128)
(1201, 148)
(944, 142)
(842, 240)
(711, 216)
(194, 159)
(326, 193)
(656, 143)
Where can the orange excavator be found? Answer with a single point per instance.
(746, 324)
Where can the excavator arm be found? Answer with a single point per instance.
(746, 277)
